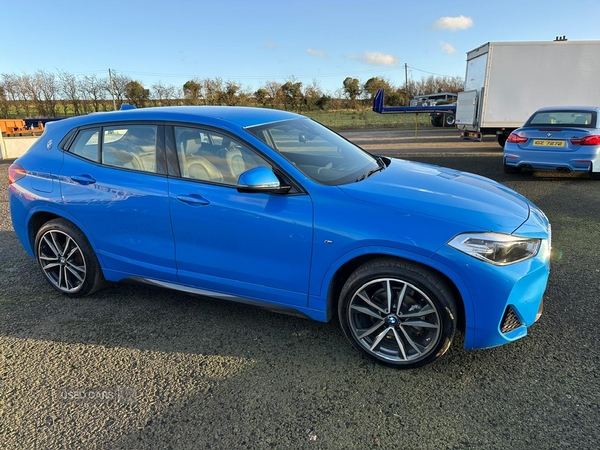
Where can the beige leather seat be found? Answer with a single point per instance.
(199, 168)
(234, 161)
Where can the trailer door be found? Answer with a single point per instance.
(466, 109)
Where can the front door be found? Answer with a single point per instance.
(248, 245)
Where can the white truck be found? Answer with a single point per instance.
(506, 82)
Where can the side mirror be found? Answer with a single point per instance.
(260, 180)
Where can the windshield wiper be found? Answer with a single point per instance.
(379, 168)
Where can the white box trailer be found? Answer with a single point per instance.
(506, 82)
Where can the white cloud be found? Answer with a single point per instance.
(377, 59)
(318, 53)
(454, 23)
(448, 48)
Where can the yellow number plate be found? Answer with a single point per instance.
(547, 143)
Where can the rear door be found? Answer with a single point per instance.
(114, 185)
(466, 110)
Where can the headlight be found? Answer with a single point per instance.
(496, 248)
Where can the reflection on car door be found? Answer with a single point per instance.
(253, 246)
(126, 210)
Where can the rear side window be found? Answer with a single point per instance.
(130, 147)
(585, 119)
(127, 146)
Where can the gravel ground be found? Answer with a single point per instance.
(132, 367)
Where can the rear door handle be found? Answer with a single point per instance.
(193, 199)
(83, 179)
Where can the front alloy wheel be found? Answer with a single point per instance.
(398, 313)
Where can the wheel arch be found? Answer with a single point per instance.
(38, 218)
(345, 270)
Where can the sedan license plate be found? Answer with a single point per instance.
(548, 143)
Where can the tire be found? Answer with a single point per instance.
(436, 121)
(449, 120)
(386, 331)
(510, 169)
(67, 260)
(502, 139)
(594, 175)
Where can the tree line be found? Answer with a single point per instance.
(61, 94)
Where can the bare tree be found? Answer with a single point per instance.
(119, 87)
(69, 91)
(48, 92)
(274, 95)
(10, 86)
(95, 90)
(30, 92)
(161, 93)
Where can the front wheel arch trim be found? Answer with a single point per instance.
(334, 279)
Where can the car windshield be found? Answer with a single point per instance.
(318, 152)
(564, 118)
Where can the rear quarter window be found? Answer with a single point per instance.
(85, 144)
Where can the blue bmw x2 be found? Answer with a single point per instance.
(271, 208)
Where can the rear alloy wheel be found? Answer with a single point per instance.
(397, 313)
(449, 120)
(67, 260)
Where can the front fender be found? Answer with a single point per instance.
(319, 288)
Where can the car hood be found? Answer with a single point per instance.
(443, 193)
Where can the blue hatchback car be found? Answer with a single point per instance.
(271, 208)
(563, 139)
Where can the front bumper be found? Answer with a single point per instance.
(501, 302)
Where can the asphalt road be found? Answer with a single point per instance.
(133, 367)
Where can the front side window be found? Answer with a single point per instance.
(207, 155)
(319, 153)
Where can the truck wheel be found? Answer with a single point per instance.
(436, 120)
(449, 120)
(398, 313)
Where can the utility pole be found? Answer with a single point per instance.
(406, 80)
(112, 90)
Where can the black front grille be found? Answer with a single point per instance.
(510, 321)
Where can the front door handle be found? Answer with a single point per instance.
(83, 179)
(193, 199)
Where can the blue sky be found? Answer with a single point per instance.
(251, 42)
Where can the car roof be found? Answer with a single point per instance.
(569, 108)
(238, 115)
